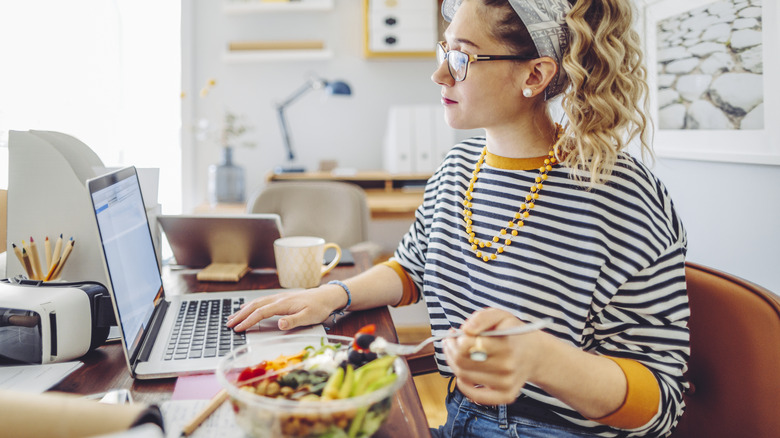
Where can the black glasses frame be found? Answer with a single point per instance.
(442, 55)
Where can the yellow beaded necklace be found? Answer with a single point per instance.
(504, 238)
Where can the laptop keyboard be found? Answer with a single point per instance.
(200, 331)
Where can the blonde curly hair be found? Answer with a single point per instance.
(606, 100)
(606, 103)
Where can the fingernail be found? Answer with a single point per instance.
(283, 324)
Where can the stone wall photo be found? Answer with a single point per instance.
(710, 67)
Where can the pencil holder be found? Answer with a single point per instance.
(44, 263)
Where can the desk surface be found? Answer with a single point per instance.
(105, 367)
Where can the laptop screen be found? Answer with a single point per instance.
(129, 251)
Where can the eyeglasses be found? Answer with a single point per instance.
(458, 62)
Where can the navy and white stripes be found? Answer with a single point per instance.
(606, 264)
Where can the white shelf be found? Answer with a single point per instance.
(247, 56)
(258, 6)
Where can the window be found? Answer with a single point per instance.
(105, 72)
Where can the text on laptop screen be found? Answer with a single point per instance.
(130, 255)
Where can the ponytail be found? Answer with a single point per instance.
(606, 103)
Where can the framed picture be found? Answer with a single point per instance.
(712, 71)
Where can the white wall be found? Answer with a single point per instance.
(347, 129)
(730, 210)
(731, 214)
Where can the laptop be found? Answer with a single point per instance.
(198, 240)
(161, 335)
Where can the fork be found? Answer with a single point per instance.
(381, 345)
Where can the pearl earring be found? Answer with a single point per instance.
(527, 92)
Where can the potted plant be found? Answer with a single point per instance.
(226, 183)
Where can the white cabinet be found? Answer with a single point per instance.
(400, 27)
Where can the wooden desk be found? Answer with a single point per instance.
(390, 196)
(105, 367)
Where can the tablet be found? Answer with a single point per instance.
(199, 240)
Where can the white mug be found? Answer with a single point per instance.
(299, 260)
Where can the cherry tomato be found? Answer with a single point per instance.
(364, 337)
(369, 329)
(249, 373)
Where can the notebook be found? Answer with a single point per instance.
(158, 333)
(199, 240)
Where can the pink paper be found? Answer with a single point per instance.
(197, 387)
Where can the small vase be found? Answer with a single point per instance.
(226, 180)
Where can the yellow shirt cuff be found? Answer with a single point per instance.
(410, 292)
(642, 397)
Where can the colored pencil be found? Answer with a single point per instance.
(47, 250)
(27, 265)
(55, 257)
(65, 254)
(53, 268)
(18, 253)
(215, 402)
(36, 261)
(31, 272)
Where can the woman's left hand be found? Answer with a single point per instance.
(511, 360)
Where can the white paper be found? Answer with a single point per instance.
(147, 430)
(221, 423)
(35, 378)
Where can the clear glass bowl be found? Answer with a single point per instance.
(261, 416)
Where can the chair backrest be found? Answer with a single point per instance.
(336, 211)
(3, 219)
(735, 357)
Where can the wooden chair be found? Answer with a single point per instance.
(734, 368)
(336, 211)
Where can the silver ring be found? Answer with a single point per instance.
(477, 353)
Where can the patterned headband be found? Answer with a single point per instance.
(546, 22)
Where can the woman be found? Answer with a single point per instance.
(536, 221)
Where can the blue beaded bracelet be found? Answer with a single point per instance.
(340, 312)
(346, 289)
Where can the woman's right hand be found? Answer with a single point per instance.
(298, 308)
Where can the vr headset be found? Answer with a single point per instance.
(44, 323)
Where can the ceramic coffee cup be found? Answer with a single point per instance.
(299, 260)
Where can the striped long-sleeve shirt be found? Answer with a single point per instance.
(605, 264)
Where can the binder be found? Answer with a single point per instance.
(443, 136)
(422, 122)
(417, 139)
(399, 141)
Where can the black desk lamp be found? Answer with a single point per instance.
(334, 88)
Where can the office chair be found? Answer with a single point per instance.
(3, 230)
(3, 219)
(735, 354)
(336, 211)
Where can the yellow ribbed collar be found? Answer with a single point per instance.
(514, 163)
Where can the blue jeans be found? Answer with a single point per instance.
(467, 419)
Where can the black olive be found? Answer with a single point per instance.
(369, 356)
(364, 340)
(356, 358)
